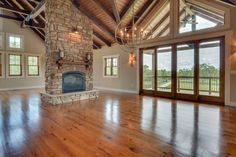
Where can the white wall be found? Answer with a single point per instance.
(33, 45)
(127, 80)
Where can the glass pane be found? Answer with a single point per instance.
(32, 60)
(33, 70)
(115, 61)
(148, 69)
(115, 71)
(209, 68)
(108, 71)
(14, 42)
(15, 59)
(108, 62)
(15, 70)
(164, 66)
(185, 69)
(194, 17)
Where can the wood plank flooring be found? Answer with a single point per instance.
(114, 125)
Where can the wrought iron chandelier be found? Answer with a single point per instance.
(131, 36)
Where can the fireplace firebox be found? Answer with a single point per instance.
(73, 81)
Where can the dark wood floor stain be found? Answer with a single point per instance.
(114, 125)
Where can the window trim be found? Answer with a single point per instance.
(8, 35)
(8, 66)
(2, 34)
(104, 66)
(3, 64)
(27, 65)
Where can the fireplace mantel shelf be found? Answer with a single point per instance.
(68, 62)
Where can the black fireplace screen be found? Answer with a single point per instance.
(73, 82)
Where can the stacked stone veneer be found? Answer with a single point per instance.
(62, 17)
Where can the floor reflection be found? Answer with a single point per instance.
(112, 112)
(191, 129)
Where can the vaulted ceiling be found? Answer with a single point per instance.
(105, 15)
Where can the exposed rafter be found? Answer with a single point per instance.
(115, 10)
(37, 10)
(104, 9)
(102, 38)
(126, 8)
(14, 10)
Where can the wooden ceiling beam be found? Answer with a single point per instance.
(141, 11)
(104, 9)
(126, 8)
(37, 10)
(95, 20)
(115, 10)
(14, 10)
(11, 17)
(108, 43)
(97, 44)
(8, 3)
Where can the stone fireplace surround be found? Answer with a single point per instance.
(62, 17)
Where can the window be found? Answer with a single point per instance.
(111, 66)
(15, 42)
(15, 65)
(33, 65)
(194, 17)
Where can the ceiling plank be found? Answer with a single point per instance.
(97, 44)
(104, 9)
(115, 10)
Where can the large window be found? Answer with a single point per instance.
(33, 65)
(194, 17)
(15, 65)
(192, 70)
(111, 66)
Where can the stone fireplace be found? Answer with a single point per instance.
(68, 69)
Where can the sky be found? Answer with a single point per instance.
(185, 58)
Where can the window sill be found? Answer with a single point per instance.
(114, 77)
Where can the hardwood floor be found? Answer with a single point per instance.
(115, 124)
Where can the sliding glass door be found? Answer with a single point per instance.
(164, 69)
(191, 71)
(185, 69)
(148, 70)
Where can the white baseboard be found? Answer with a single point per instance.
(117, 90)
(21, 88)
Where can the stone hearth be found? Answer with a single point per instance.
(62, 17)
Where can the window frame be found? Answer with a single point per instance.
(104, 66)
(21, 65)
(8, 35)
(2, 44)
(27, 65)
(2, 61)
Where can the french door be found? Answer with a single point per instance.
(191, 71)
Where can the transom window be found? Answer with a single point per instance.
(194, 17)
(15, 65)
(33, 65)
(111, 66)
(15, 42)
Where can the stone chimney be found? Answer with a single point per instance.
(62, 18)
